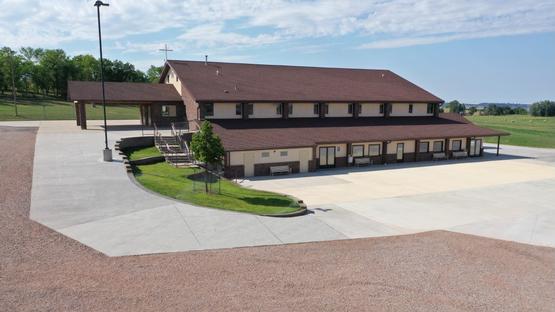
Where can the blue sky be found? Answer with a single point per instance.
(473, 51)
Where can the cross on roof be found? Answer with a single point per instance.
(166, 50)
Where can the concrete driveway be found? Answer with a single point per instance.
(75, 193)
(510, 197)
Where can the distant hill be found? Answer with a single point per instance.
(511, 105)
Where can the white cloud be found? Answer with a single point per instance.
(213, 35)
(244, 23)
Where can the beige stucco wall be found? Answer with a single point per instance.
(366, 147)
(250, 158)
(224, 111)
(370, 110)
(171, 78)
(402, 109)
(265, 110)
(392, 147)
(340, 149)
(338, 110)
(303, 110)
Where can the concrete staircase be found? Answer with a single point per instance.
(174, 148)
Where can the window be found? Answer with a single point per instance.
(438, 146)
(265, 154)
(250, 108)
(326, 109)
(165, 111)
(381, 108)
(290, 108)
(424, 147)
(358, 150)
(457, 145)
(350, 108)
(209, 109)
(278, 109)
(283, 153)
(410, 108)
(316, 109)
(373, 149)
(238, 109)
(430, 108)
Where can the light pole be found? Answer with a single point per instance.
(107, 153)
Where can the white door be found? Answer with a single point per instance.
(475, 147)
(248, 161)
(304, 157)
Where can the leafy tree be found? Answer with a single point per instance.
(456, 107)
(88, 67)
(543, 108)
(207, 148)
(154, 72)
(472, 110)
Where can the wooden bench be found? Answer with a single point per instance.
(460, 154)
(439, 156)
(362, 161)
(280, 170)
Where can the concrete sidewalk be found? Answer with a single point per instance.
(76, 193)
(94, 202)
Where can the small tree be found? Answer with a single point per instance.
(207, 148)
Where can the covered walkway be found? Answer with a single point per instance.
(158, 103)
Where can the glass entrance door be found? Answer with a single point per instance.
(475, 147)
(327, 157)
(400, 151)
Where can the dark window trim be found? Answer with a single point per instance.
(353, 147)
(279, 109)
(290, 108)
(427, 147)
(410, 108)
(442, 146)
(250, 109)
(430, 108)
(316, 109)
(350, 108)
(460, 145)
(208, 112)
(381, 108)
(379, 149)
(238, 109)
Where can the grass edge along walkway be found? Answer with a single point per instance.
(187, 185)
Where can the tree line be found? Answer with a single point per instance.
(46, 71)
(542, 108)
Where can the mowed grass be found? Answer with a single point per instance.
(48, 109)
(525, 130)
(187, 185)
(134, 154)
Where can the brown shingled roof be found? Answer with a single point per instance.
(122, 92)
(256, 134)
(250, 82)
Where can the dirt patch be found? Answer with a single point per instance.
(43, 270)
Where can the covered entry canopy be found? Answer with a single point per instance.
(159, 103)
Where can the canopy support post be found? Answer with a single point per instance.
(498, 140)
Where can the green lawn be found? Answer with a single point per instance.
(49, 109)
(183, 184)
(134, 154)
(525, 130)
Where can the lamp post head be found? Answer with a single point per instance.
(100, 3)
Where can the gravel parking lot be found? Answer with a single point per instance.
(41, 269)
